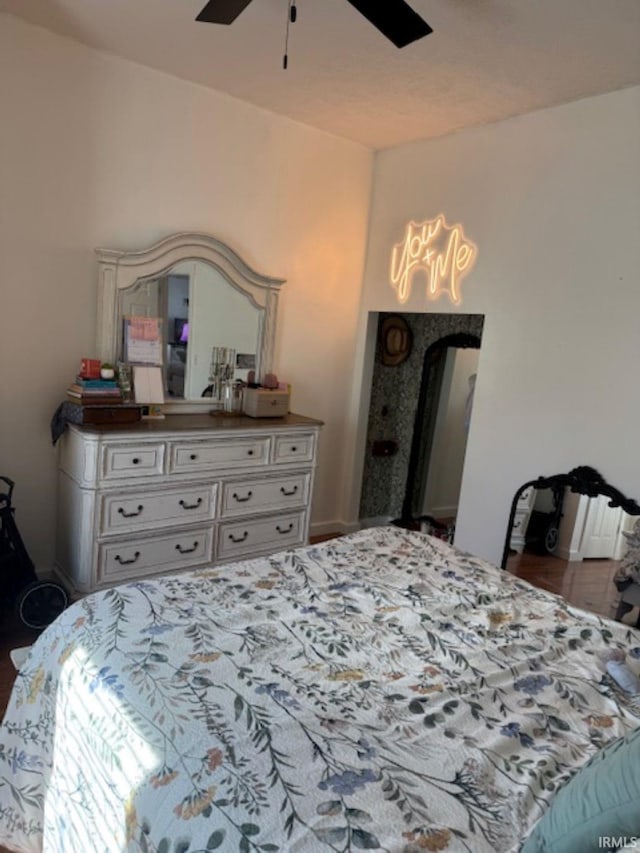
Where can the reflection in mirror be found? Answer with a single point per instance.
(206, 297)
(574, 517)
(438, 443)
(199, 310)
(536, 525)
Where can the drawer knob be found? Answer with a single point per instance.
(126, 514)
(294, 448)
(185, 505)
(243, 500)
(239, 538)
(193, 456)
(124, 562)
(186, 550)
(249, 452)
(286, 530)
(135, 460)
(288, 494)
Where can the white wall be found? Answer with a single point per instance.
(97, 151)
(552, 200)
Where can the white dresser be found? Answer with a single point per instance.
(521, 519)
(185, 491)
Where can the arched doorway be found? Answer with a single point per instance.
(392, 405)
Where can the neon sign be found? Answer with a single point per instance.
(441, 251)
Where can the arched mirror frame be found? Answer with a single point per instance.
(582, 480)
(121, 269)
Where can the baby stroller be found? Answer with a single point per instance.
(543, 531)
(37, 603)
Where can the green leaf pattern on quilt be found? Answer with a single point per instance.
(382, 691)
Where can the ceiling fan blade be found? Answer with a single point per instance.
(395, 19)
(222, 11)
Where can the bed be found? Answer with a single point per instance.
(378, 691)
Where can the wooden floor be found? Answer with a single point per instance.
(587, 584)
(12, 635)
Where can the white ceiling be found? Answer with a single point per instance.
(486, 59)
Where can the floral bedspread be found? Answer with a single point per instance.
(382, 691)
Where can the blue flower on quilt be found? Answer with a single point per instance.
(20, 760)
(513, 730)
(449, 573)
(107, 682)
(278, 695)
(349, 781)
(532, 684)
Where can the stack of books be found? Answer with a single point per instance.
(94, 392)
(99, 401)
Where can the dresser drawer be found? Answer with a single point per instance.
(211, 455)
(294, 448)
(260, 535)
(127, 461)
(520, 522)
(133, 558)
(136, 511)
(242, 497)
(525, 501)
(519, 530)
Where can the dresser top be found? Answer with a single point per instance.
(217, 422)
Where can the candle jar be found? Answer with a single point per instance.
(232, 394)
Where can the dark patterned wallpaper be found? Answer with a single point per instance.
(392, 412)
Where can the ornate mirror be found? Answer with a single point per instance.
(550, 514)
(204, 295)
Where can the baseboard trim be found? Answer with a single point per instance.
(322, 528)
(572, 555)
(443, 511)
(376, 521)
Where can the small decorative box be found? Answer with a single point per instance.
(264, 403)
(90, 368)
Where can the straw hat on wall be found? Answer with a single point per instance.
(396, 340)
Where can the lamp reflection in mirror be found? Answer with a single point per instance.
(223, 360)
(441, 251)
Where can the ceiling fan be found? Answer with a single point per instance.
(394, 18)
